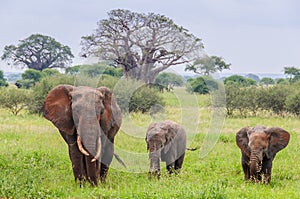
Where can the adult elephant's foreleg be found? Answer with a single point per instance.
(93, 170)
(107, 156)
(76, 157)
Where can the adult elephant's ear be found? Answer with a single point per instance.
(242, 140)
(57, 108)
(107, 114)
(279, 139)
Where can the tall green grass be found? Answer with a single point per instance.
(34, 161)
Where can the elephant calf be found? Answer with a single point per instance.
(259, 146)
(166, 141)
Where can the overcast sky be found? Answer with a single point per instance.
(255, 36)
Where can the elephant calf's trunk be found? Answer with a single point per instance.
(255, 164)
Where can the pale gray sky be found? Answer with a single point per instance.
(255, 36)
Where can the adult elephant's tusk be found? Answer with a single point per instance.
(81, 149)
(98, 150)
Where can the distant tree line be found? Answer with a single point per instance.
(35, 84)
(279, 99)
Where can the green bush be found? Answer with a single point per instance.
(251, 100)
(133, 95)
(293, 103)
(41, 89)
(143, 99)
(166, 79)
(29, 78)
(267, 81)
(202, 85)
(49, 72)
(275, 98)
(108, 81)
(94, 70)
(14, 99)
(239, 80)
(25, 83)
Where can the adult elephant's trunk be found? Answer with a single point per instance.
(255, 164)
(154, 163)
(89, 134)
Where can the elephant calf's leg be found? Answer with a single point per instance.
(179, 162)
(245, 165)
(266, 170)
(171, 167)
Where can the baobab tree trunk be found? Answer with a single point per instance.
(142, 73)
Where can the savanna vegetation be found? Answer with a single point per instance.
(34, 159)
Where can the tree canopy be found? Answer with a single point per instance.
(202, 85)
(166, 79)
(38, 52)
(239, 81)
(267, 81)
(207, 65)
(3, 81)
(94, 70)
(142, 44)
(293, 73)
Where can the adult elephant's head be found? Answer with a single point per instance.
(260, 142)
(81, 110)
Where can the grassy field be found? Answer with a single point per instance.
(34, 161)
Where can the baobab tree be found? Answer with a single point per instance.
(142, 44)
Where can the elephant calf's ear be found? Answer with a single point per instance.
(242, 140)
(57, 108)
(279, 139)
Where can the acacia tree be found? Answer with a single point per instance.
(38, 52)
(207, 65)
(293, 73)
(142, 44)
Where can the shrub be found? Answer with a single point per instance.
(29, 78)
(94, 70)
(254, 99)
(239, 80)
(202, 85)
(166, 79)
(143, 99)
(49, 72)
(275, 98)
(133, 95)
(14, 99)
(293, 103)
(41, 89)
(108, 81)
(267, 81)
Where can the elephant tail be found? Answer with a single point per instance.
(120, 160)
(193, 149)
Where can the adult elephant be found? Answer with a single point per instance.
(88, 120)
(166, 141)
(259, 146)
